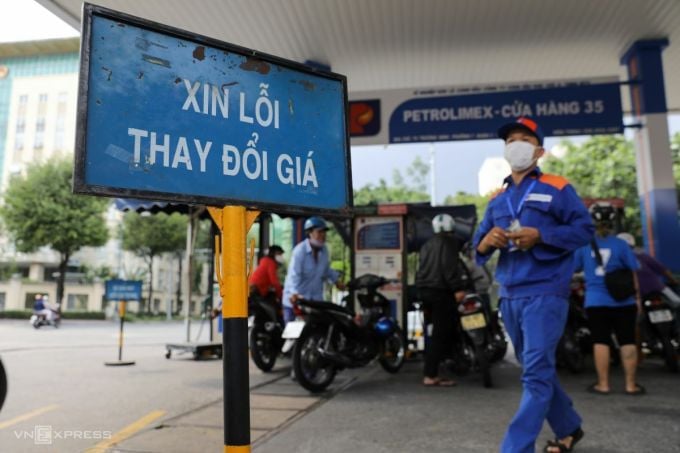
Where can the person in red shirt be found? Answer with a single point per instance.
(264, 278)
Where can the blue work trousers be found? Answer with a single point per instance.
(535, 325)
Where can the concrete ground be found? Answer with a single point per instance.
(58, 382)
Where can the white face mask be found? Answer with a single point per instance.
(520, 155)
(316, 243)
(279, 259)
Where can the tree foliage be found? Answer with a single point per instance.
(149, 236)
(412, 188)
(602, 167)
(461, 198)
(41, 210)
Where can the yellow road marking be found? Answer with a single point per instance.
(28, 415)
(126, 432)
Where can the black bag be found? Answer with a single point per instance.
(620, 283)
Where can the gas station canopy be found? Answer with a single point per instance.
(390, 44)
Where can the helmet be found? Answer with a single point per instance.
(627, 238)
(443, 223)
(602, 211)
(315, 223)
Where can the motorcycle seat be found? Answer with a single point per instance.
(322, 305)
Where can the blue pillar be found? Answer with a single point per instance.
(656, 184)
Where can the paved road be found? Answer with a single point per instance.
(58, 380)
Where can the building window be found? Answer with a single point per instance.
(60, 130)
(76, 302)
(39, 142)
(20, 131)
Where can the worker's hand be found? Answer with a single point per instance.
(497, 238)
(340, 285)
(294, 298)
(525, 237)
(460, 295)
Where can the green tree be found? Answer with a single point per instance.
(461, 198)
(675, 151)
(413, 188)
(149, 236)
(602, 167)
(41, 210)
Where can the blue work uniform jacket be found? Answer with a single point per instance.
(552, 206)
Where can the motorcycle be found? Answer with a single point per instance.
(3, 384)
(575, 342)
(479, 333)
(481, 336)
(334, 337)
(658, 330)
(38, 320)
(265, 333)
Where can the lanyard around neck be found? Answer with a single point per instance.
(515, 215)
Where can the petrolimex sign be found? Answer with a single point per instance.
(165, 114)
(476, 113)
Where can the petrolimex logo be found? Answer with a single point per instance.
(364, 118)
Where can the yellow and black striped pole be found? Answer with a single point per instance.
(234, 223)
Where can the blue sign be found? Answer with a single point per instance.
(570, 110)
(169, 115)
(126, 290)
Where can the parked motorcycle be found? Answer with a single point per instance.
(265, 332)
(38, 320)
(334, 337)
(575, 342)
(658, 330)
(3, 384)
(481, 336)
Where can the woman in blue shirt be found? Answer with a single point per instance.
(606, 314)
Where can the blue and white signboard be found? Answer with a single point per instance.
(166, 114)
(571, 110)
(127, 290)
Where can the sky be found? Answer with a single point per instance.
(456, 163)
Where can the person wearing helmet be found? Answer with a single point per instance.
(264, 278)
(536, 222)
(439, 283)
(309, 268)
(605, 313)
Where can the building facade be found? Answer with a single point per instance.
(38, 106)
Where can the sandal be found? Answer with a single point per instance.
(575, 437)
(639, 390)
(438, 382)
(592, 388)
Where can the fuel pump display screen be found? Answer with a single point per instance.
(381, 236)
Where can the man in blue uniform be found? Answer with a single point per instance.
(536, 221)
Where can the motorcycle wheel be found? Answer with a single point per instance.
(670, 355)
(500, 348)
(484, 366)
(572, 355)
(3, 384)
(392, 352)
(37, 324)
(312, 371)
(263, 347)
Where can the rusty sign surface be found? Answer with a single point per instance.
(167, 114)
